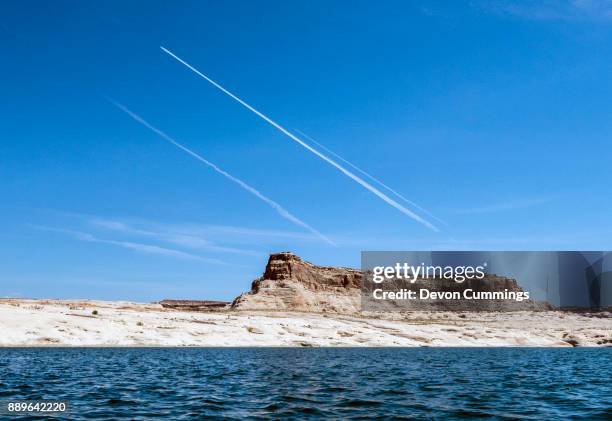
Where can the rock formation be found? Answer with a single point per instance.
(194, 305)
(291, 284)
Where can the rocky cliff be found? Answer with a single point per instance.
(289, 283)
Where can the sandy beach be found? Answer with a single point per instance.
(103, 323)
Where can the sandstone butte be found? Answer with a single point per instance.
(292, 284)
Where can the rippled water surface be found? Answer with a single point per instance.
(308, 383)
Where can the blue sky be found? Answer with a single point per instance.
(494, 116)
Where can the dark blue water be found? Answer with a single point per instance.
(312, 383)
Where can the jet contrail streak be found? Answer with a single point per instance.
(371, 177)
(278, 208)
(346, 172)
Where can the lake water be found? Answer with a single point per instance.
(189, 383)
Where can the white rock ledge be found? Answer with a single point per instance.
(105, 323)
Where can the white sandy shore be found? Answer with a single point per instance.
(100, 323)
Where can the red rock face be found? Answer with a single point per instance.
(283, 266)
(289, 283)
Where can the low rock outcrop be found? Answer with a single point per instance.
(194, 305)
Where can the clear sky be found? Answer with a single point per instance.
(494, 116)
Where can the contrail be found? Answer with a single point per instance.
(278, 208)
(371, 177)
(346, 172)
